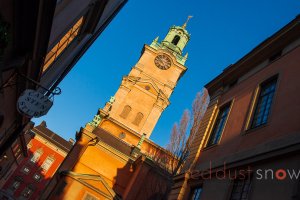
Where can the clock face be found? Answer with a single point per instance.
(162, 62)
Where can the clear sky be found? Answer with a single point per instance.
(222, 31)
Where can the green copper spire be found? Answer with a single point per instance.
(175, 41)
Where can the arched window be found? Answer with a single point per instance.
(125, 112)
(175, 39)
(138, 118)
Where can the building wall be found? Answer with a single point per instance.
(27, 178)
(283, 119)
(35, 27)
(106, 168)
(69, 12)
(97, 160)
(261, 181)
(8, 165)
(273, 145)
(110, 164)
(148, 147)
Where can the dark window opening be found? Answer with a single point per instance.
(219, 125)
(28, 191)
(241, 188)
(175, 40)
(196, 193)
(16, 183)
(264, 103)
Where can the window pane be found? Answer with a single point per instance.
(16, 184)
(196, 192)
(25, 170)
(219, 125)
(37, 177)
(47, 163)
(27, 192)
(62, 44)
(36, 155)
(264, 102)
(241, 188)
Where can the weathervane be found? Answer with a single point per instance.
(188, 18)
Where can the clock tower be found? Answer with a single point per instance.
(113, 154)
(144, 93)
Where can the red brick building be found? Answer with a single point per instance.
(248, 145)
(40, 43)
(46, 151)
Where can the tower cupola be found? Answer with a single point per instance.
(175, 41)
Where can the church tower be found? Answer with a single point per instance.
(144, 93)
(112, 155)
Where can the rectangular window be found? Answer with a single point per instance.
(27, 192)
(264, 102)
(241, 188)
(195, 194)
(16, 149)
(88, 196)
(36, 155)
(219, 125)
(47, 163)
(25, 170)
(62, 44)
(16, 184)
(37, 177)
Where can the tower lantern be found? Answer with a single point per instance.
(177, 38)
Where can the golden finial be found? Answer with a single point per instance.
(184, 25)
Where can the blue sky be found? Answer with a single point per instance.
(222, 32)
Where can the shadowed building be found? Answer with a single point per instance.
(40, 42)
(111, 158)
(28, 177)
(248, 144)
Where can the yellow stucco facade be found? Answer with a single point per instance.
(111, 158)
(145, 90)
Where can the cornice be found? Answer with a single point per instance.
(121, 156)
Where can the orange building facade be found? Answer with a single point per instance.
(113, 155)
(28, 179)
(247, 147)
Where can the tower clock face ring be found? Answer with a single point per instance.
(162, 62)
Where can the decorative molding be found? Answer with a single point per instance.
(96, 121)
(82, 177)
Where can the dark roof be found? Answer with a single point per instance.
(263, 51)
(112, 141)
(49, 135)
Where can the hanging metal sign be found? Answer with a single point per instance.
(33, 103)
